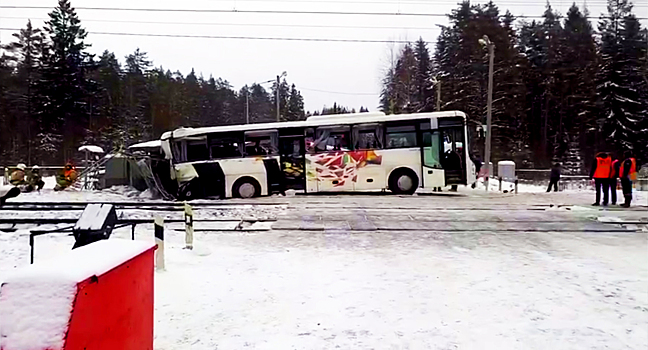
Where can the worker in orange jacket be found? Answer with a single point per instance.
(66, 177)
(600, 172)
(628, 173)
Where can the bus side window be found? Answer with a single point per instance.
(309, 141)
(261, 143)
(367, 136)
(226, 146)
(197, 151)
(176, 149)
(333, 139)
(400, 136)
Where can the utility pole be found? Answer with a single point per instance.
(278, 105)
(438, 104)
(247, 106)
(278, 112)
(491, 58)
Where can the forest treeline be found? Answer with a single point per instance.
(55, 96)
(562, 89)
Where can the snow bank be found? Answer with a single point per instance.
(34, 315)
(82, 263)
(35, 303)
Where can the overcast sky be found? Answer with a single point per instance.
(325, 72)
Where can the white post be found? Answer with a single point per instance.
(159, 240)
(189, 230)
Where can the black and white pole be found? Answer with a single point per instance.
(189, 229)
(159, 241)
(516, 185)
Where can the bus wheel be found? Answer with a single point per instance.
(188, 191)
(246, 188)
(403, 181)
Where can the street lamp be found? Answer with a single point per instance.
(278, 83)
(485, 41)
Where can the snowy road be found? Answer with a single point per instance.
(475, 271)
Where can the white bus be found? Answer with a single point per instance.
(333, 153)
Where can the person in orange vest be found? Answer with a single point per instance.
(66, 178)
(600, 172)
(614, 175)
(628, 173)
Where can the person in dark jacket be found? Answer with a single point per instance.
(600, 172)
(554, 178)
(628, 173)
(614, 174)
(478, 164)
(35, 180)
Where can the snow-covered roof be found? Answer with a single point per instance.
(339, 119)
(91, 149)
(36, 302)
(148, 144)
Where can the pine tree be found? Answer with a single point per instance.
(622, 87)
(578, 90)
(461, 64)
(423, 79)
(111, 126)
(260, 105)
(25, 54)
(139, 110)
(284, 96)
(62, 93)
(295, 110)
(5, 110)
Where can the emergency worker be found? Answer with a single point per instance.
(66, 177)
(18, 175)
(628, 173)
(600, 172)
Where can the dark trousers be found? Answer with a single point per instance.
(626, 185)
(613, 191)
(605, 185)
(554, 183)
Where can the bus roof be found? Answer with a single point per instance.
(314, 121)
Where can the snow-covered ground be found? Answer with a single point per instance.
(394, 289)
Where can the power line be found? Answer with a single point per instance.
(429, 3)
(247, 37)
(341, 93)
(343, 13)
(240, 24)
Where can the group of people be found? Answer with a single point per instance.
(605, 171)
(28, 182)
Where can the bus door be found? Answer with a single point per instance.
(453, 152)
(291, 156)
(433, 172)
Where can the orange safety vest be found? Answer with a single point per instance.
(603, 168)
(632, 174)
